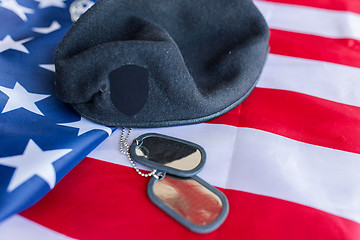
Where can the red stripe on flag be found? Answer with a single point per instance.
(100, 200)
(342, 5)
(341, 51)
(298, 116)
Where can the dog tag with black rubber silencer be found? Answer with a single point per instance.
(167, 154)
(191, 201)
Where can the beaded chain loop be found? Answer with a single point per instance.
(125, 149)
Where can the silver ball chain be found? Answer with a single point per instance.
(125, 149)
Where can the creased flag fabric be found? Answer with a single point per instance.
(287, 158)
(41, 138)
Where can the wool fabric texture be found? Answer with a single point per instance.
(158, 63)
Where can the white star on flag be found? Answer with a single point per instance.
(9, 43)
(45, 30)
(19, 97)
(51, 3)
(85, 126)
(50, 67)
(19, 10)
(33, 161)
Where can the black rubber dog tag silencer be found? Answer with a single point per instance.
(129, 88)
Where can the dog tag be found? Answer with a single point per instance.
(167, 154)
(174, 187)
(190, 201)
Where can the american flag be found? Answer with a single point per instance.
(287, 158)
(41, 139)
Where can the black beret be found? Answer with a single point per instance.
(157, 63)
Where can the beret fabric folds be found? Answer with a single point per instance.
(157, 63)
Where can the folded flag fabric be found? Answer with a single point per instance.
(287, 158)
(41, 139)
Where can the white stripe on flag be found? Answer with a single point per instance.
(19, 228)
(266, 164)
(308, 20)
(275, 166)
(330, 81)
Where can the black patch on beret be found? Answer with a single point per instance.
(129, 88)
(203, 58)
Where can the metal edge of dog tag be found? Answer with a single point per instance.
(192, 202)
(168, 154)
